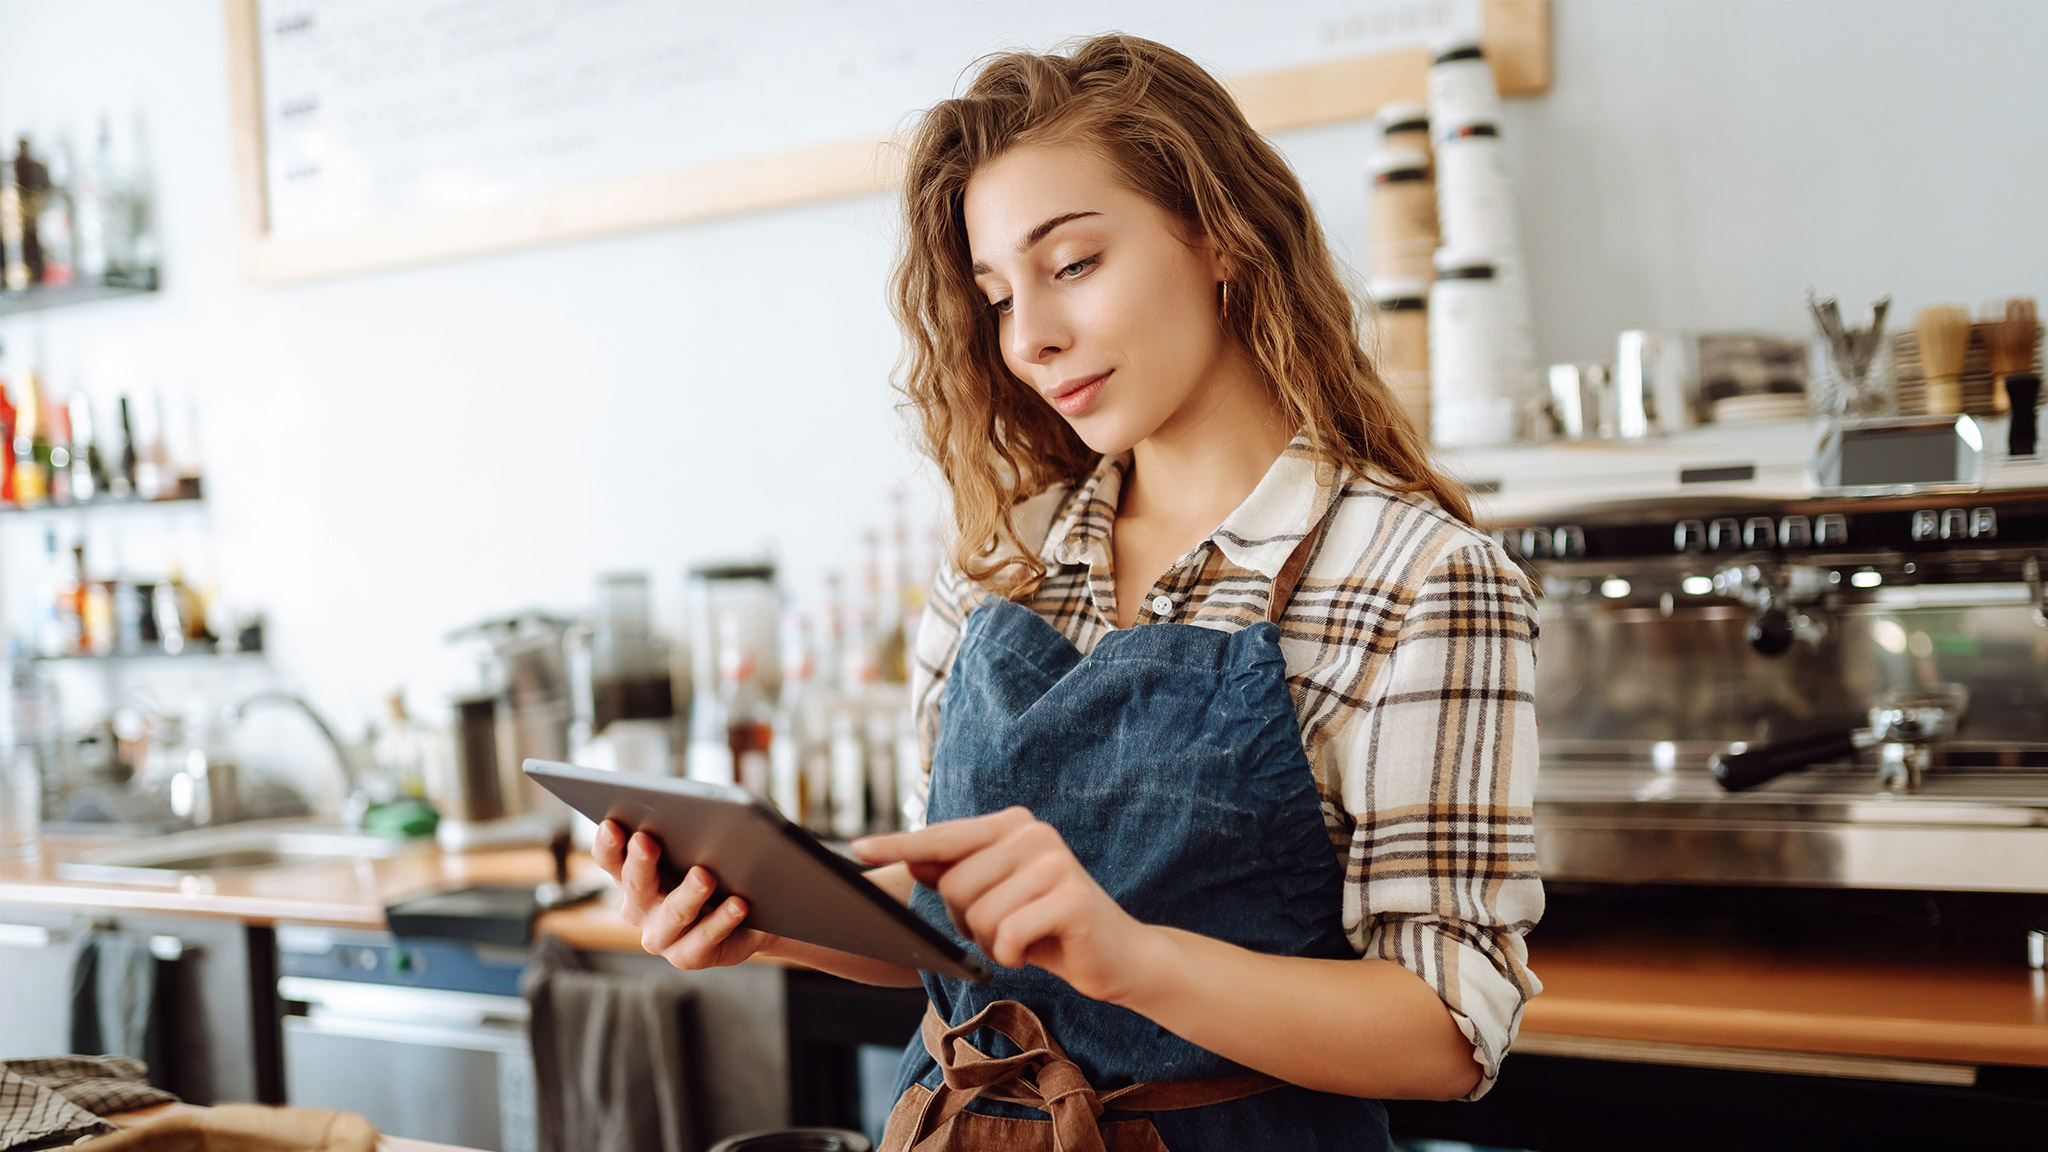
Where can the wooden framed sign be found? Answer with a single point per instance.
(376, 133)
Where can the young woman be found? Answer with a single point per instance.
(1227, 706)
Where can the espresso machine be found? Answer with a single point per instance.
(1844, 688)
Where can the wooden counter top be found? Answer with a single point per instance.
(384, 1143)
(1676, 1001)
(1720, 996)
(348, 893)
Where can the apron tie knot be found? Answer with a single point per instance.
(1061, 1086)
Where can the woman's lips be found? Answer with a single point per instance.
(1075, 401)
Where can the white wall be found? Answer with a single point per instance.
(392, 455)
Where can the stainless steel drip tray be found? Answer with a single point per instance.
(1967, 830)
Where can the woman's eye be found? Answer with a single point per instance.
(1079, 268)
(1001, 307)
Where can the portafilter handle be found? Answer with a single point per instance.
(1741, 771)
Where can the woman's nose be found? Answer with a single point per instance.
(1037, 330)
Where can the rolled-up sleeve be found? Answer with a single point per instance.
(1438, 774)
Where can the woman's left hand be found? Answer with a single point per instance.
(1013, 886)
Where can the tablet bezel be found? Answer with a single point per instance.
(639, 803)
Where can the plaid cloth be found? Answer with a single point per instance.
(56, 1101)
(1410, 649)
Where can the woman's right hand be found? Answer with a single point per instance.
(677, 926)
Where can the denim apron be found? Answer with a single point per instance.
(1171, 761)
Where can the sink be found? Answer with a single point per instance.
(166, 859)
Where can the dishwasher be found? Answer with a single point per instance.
(425, 1038)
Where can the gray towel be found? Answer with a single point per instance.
(611, 1057)
(113, 994)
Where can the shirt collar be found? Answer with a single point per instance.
(1081, 534)
(1259, 535)
(1262, 532)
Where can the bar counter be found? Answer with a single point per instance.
(1700, 1003)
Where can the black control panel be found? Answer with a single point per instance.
(1919, 524)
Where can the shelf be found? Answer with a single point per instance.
(38, 298)
(98, 503)
(193, 655)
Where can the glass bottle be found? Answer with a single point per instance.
(88, 468)
(864, 740)
(30, 450)
(800, 755)
(7, 420)
(124, 480)
(749, 721)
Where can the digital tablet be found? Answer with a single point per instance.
(794, 886)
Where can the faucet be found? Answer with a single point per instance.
(355, 802)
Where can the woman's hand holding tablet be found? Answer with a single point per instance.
(679, 925)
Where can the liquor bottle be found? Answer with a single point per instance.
(88, 470)
(139, 268)
(866, 703)
(50, 624)
(152, 476)
(800, 755)
(124, 480)
(7, 417)
(22, 184)
(882, 605)
(848, 791)
(832, 649)
(58, 473)
(89, 212)
(749, 721)
(31, 452)
(71, 606)
(54, 223)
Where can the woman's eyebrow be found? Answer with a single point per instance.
(1032, 238)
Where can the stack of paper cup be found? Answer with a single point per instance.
(1404, 124)
(1404, 236)
(1475, 389)
(1476, 222)
(1461, 84)
(1403, 307)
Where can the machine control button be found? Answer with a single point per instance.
(1569, 541)
(1795, 532)
(1983, 523)
(1831, 530)
(1758, 532)
(1926, 524)
(1689, 536)
(1536, 543)
(1955, 524)
(1723, 535)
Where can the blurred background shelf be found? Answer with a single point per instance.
(40, 297)
(188, 656)
(99, 503)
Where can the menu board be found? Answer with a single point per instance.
(370, 111)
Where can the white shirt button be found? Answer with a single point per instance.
(1162, 605)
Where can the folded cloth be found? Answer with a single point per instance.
(56, 1100)
(609, 1057)
(244, 1128)
(113, 994)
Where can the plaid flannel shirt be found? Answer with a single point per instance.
(1410, 652)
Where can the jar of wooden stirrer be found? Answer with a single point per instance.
(1944, 334)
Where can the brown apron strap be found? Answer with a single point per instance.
(1290, 572)
(1041, 1076)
